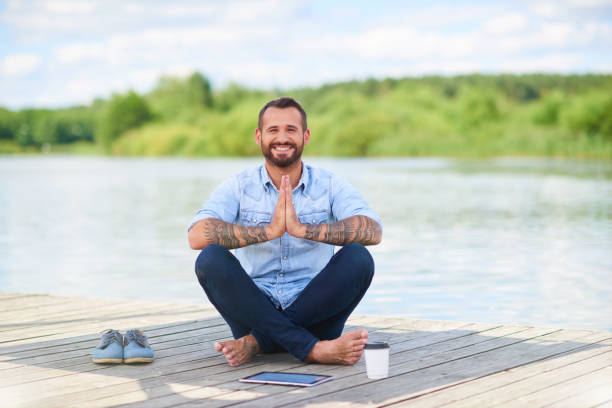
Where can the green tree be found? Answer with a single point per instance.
(122, 113)
(8, 124)
(198, 90)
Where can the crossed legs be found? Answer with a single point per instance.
(310, 328)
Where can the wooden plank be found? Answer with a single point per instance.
(175, 341)
(8, 350)
(139, 320)
(72, 314)
(584, 390)
(88, 342)
(24, 378)
(157, 338)
(11, 296)
(433, 362)
(477, 388)
(245, 393)
(82, 363)
(25, 304)
(516, 391)
(438, 370)
(64, 310)
(292, 364)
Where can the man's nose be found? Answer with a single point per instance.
(283, 136)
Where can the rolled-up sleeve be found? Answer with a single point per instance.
(224, 203)
(346, 202)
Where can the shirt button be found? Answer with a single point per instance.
(280, 291)
(313, 221)
(282, 274)
(284, 257)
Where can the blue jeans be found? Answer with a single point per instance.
(318, 313)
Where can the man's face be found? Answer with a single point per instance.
(281, 137)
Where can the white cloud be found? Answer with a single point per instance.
(81, 49)
(567, 8)
(160, 45)
(545, 63)
(589, 3)
(505, 24)
(19, 65)
(545, 9)
(69, 7)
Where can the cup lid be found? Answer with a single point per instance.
(373, 345)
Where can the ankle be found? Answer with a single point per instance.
(315, 353)
(251, 342)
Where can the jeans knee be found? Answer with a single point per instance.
(362, 260)
(208, 260)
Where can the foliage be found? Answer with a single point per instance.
(464, 116)
(122, 113)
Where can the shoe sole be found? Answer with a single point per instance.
(107, 360)
(138, 360)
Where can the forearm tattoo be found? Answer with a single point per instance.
(359, 229)
(232, 236)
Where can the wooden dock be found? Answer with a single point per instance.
(46, 344)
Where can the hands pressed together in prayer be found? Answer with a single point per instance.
(284, 218)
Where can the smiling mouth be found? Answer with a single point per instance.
(283, 148)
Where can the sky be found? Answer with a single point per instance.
(56, 53)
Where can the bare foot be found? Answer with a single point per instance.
(239, 351)
(346, 349)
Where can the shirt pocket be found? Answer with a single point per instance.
(314, 217)
(255, 217)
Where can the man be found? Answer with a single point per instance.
(285, 289)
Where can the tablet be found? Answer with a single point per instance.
(282, 378)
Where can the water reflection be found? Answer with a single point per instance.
(505, 240)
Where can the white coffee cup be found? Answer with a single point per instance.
(377, 359)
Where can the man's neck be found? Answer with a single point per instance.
(294, 171)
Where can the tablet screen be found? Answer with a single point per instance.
(304, 380)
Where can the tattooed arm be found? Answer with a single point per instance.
(358, 228)
(213, 231)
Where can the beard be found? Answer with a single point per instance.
(283, 161)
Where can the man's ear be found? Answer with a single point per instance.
(258, 136)
(306, 136)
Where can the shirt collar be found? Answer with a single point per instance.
(267, 183)
(265, 177)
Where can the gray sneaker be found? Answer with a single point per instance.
(110, 349)
(136, 349)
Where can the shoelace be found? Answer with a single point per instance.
(110, 335)
(136, 335)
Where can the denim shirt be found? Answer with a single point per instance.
(282, 267)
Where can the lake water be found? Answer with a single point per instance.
(507, 241)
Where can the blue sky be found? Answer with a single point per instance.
(63, 52)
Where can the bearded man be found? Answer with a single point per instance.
(284, 288)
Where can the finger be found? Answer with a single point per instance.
(281, 193)
(289, 191)
(281, 190)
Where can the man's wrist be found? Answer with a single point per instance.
(270, 233)
(301, 231)
(297, 230)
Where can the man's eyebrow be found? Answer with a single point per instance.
(272, 127)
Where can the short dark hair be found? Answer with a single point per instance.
(283, 103)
